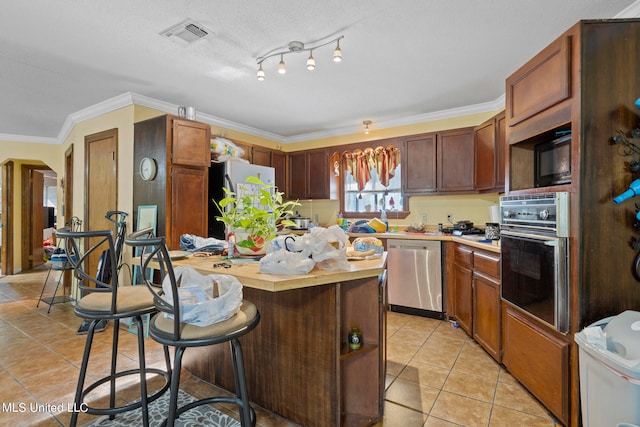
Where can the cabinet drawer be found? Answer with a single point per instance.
(541, 83)
(487, 263)
(463, 256)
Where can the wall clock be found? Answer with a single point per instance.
(148, 169)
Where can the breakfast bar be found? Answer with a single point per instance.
(297, 360)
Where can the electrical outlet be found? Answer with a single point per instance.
(450, 218)
(423, 218)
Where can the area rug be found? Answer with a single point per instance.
(204, 415)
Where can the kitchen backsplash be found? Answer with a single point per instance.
(474, 208)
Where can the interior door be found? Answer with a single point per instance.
(6, 250)
(101, 184)
(37, 218)
(32, 183)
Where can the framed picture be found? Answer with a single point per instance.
(147, 217)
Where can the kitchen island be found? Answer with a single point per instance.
(297, 360)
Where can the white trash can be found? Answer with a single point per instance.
(610, 377)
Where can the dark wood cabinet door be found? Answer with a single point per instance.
(501, 147)
(188, 213)
(419, 164)
(317, 174)
(297, 176)
(539, 360)
(261, 156)
(486, 313)
(190, 143)
(463, 280)
(485, 150)
(455, 160)
(279, 163)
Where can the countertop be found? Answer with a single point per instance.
(471, 240)
(250, 276)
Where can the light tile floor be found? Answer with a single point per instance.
(436, 375)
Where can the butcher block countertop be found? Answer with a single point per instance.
(251, 277)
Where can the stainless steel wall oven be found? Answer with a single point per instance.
(534, 248)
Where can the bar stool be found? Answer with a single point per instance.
(170, 331)
(108, 301)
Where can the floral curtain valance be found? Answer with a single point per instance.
(360, 163)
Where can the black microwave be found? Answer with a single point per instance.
(552, 162)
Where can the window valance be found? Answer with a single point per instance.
(360, 163)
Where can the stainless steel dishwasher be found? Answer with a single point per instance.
(415, 277)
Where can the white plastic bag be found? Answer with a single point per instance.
(198, 305)
(285, 262)
(324, 248)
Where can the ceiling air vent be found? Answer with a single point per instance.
(186, 32)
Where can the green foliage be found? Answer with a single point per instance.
(257, 213)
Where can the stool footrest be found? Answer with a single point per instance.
(130, 406)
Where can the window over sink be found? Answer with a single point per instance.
(374, 197)
(371, 182)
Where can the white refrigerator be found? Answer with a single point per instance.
(232, 175)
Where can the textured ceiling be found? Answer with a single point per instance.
(403, 59)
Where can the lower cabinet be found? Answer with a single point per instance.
(476, 296)
(463, 287)
(539, 359)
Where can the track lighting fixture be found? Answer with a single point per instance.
(366, 124)
(297, 47)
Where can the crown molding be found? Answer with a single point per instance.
(484, 107)
(632, 11)
(130, 98)
(8, 137)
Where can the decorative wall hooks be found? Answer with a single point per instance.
(628, 145)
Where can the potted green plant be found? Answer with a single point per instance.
(252, 217)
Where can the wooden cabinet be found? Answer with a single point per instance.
(586, 81)
(180, 149)
(486, 302)
(279, 163)
(419, 162)
(489, 149)
(298, 362)
(260, 156)
(501, 147)
(187, 209)
(539, 360)
(275, 159)
(308, 175)
(542, 83)
(438, 162)
(463, 288)
(455, 160)
(475, 296)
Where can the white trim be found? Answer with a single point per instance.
(631, 11)
(130, 98)
(25, 138)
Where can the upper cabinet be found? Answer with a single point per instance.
(438, 162)
(189, 143)
(419, 154)
(455, 160)
(260, 156)
(276, 159)
(489, 154)
(308, 175)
